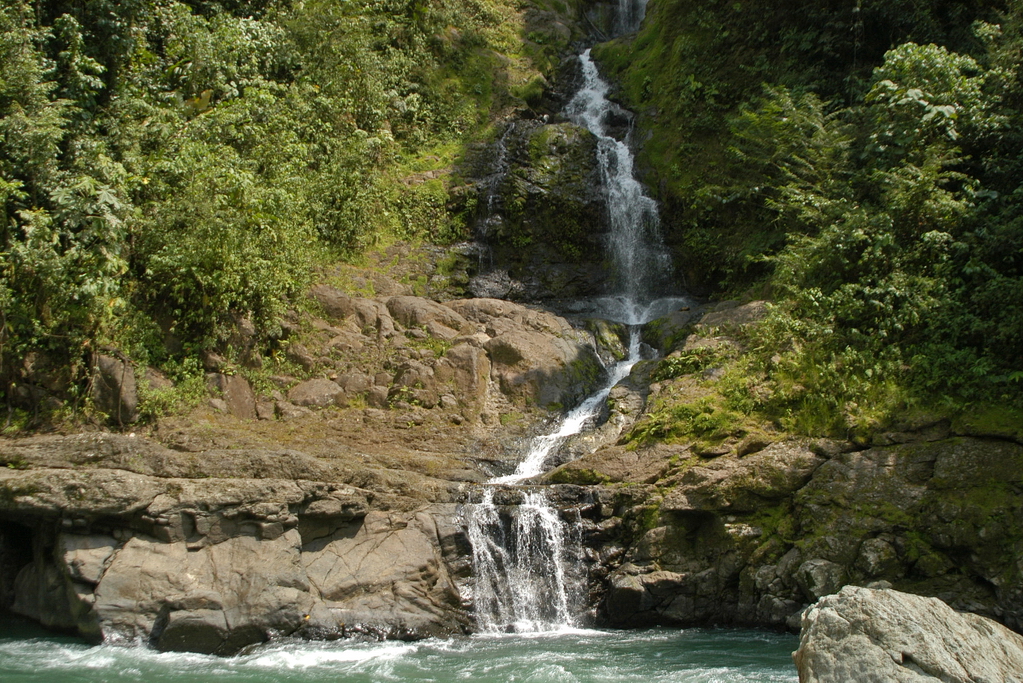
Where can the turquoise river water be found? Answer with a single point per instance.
(28, 653)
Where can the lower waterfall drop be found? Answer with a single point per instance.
(520, 584)
(519, 559)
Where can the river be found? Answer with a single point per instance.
(28, 654)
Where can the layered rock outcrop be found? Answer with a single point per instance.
(214, 564)
(228, 538)
(756, 538)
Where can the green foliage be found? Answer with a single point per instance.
(865, 192)
(189, 390)
(685, 363)
(704, 419)
(167, 167)
(701, 66)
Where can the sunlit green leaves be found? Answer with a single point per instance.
(924, 95)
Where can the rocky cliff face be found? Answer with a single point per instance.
(229, 536)
(336, 511)
(543, 215)
(752, 526)
(753, 539)
(109, 537)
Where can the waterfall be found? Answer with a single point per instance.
(581, 417)
(519, 564)
(490, 187)
(628, 15)
(520, 553)
(641, 264)
(520, 559)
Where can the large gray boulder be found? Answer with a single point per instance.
(885, 636)
(414, 311)
(317, 393)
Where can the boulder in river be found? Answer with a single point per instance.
(866, 635)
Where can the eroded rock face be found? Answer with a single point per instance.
(535, 356)
(545, 215)
(882, 636)
(744, 485)
(488, 355)
(753, 539)
(214, 565)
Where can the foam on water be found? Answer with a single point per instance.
(288, 656)
(583, 655)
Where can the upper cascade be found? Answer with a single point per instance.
(629, 15)
(641, 265)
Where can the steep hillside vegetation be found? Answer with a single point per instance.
(170, 168)
(175, 173)
(859, 164)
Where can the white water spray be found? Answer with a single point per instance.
(519, 565)
(579, 418)
(641, 263)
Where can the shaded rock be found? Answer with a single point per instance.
(235, 392)
(354, 382)
(877, 558)
(546, 214)
(819, 577)
(743, 485)
(213, 362)
(243, 340)
(883, 635)
(335, 303)
(297, 353)
(285, 410)
(668, 332)
(537, 367)
(113, 389)
(804, 518)
(156, 380)
(205, 631)
(377, 397)
(40, 370)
